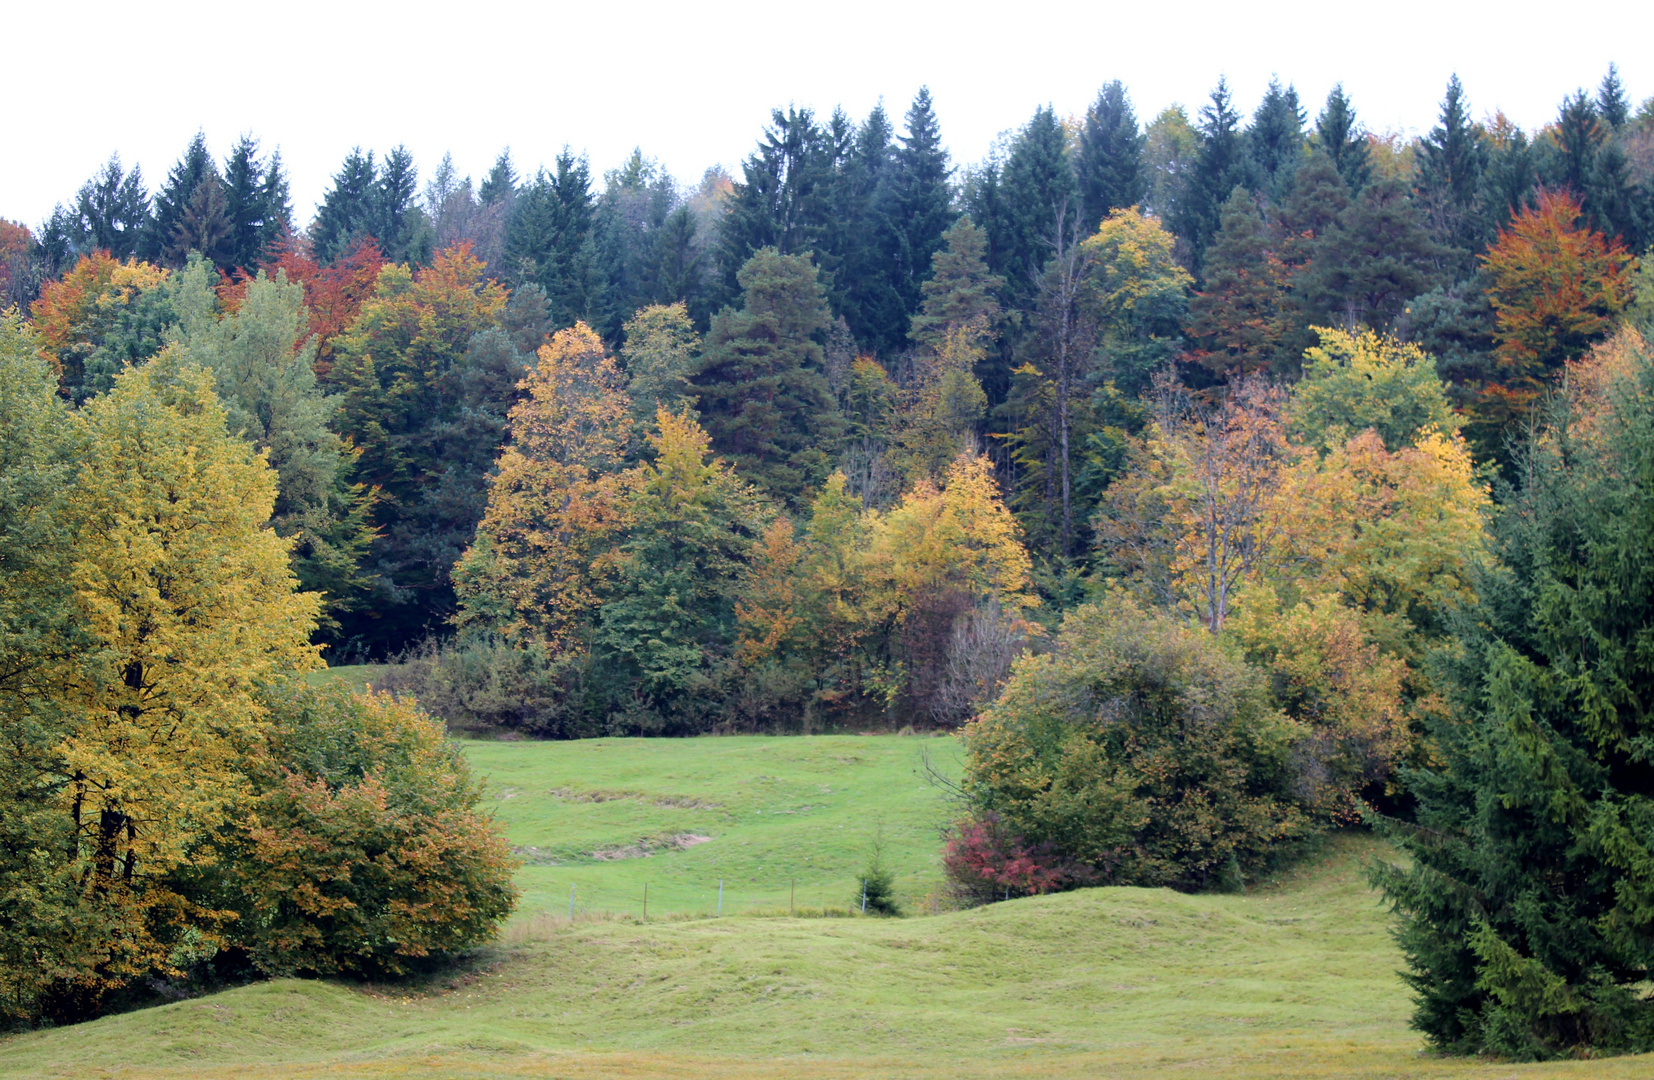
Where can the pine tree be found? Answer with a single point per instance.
(921, 200)
(1374, 259)
(861, 237)
(762, 384)
(1338, 134)
(771, 205)
(1275, 137)
(549, 240)
(1111, 170)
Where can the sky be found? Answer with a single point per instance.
(693, 85)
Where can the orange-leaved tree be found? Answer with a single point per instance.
(100, 315)
(1557, 286)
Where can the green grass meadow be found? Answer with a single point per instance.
(1295, 979)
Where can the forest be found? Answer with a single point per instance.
(1222, 478)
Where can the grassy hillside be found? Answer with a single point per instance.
(1296, 980)
(610, 816)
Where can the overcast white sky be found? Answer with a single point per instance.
(693, 84)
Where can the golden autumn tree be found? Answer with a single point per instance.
(1557, 285)
(181, 610)
(554, 507)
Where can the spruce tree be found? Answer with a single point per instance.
(1038, 190)
(1236, 317)
(256, 204)
(960, 291)
(397, 222)
(500, 185)
(549, 240)
(1526, 914)
(1338, 134)
(1111, 169)
(169, 231)
(348, 209)
(921, 199)
(1612, 102)
(763, 389)
(1220, 166)
(1275, 138)
(113, 211)
(772, 204)
(1375, 258)
(1450, 175)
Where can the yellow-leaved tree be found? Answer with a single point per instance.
(555, 505)
(184, 609)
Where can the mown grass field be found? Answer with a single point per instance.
(1293, 980)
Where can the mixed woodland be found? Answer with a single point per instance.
(1222, 477)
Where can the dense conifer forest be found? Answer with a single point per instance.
(1226, 476)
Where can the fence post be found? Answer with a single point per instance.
(720, 898)
(864, 896)
(571, 903)
(792, 895)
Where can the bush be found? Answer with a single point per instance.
(485, 684)
(1138, 748)
(362, 851)
(878, 886)
(984, 863)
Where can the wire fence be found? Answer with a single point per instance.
(670, 898)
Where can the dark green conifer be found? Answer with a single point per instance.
(1341, 137)
(764, 396)
(1111, 171)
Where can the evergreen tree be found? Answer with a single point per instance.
(1220, 166)
(1375, 258)
(1110, 166)
(921, 199)
(500, 185)
(1612, 103)
(349, 209)
(113, 211)
(1236, 316)
(1450, 176)
(186, 217)
(762, 383)
(397, 222)
(960, 291)
(771, 206)
(1508, 181)
(1275, 137)
(1524, 914)
(1037, 189)
(256, 204)
(1344, 142)
(549, 240)
(861, 237)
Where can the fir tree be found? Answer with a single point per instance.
(1612, 102)
(256, 204)
(397, 222)
(500, 185)
(549, 240)
(961, 291)
(1236, 316)
(1375, 258)
(1110, 166)
(178, 213)
(771, 205)
(762, 383)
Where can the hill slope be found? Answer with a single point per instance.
(1296, 981)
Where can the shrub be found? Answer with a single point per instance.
(984, 863)
(362, 851)
(878, 885)
(1138, 748)
(486, 684)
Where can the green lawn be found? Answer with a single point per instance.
(1294, 980)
